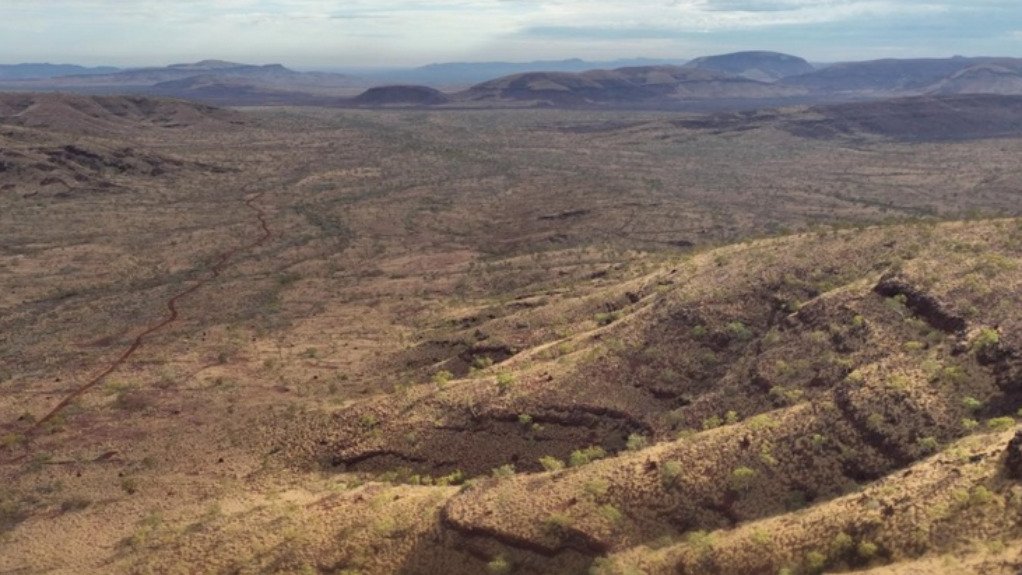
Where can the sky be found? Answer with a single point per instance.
(401, 33)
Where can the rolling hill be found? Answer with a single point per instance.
(760, 66)
(90, 115)
(401, 95)
(623, 86)
(891, 77)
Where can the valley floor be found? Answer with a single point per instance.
(306, 340)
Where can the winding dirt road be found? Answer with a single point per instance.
(171, 317)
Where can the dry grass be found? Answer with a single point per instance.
(291, 418)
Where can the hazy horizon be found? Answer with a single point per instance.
(407, 33)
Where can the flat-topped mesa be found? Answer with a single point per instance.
(757, 65)
(401, 95)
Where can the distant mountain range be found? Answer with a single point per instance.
(623, 86)
(468, 73)
(916, 77)
(742, 79)
(41, 71)
(748, 78)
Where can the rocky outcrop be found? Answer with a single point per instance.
(1013, 462)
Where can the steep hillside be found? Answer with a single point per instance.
(761, 66)
(816, 402)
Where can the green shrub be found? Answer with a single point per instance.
(504, 381)
(953, 374)
(1001, 423)
(712, 422)
(610, 513)
(456, 477)
(442, 377)
(969, 424)
(686, 433)
(980, 495)
(670, 471)
(784, 395)
(987, 338)
(815, 561)
(761, 422)
(842, 544)
(499, 566)
(637, 442)
(739, 331)
(972, 404)
(928, 444)
(701, 541)
(867, 550)
(762, 538)
(597, 487)
(584, 456)
(507, 470)
(742, 478)
(558, 522)
(875, 422)
(551, 463)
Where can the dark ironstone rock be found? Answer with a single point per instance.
(1014, 460)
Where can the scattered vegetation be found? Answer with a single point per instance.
(585, 456)
(637, 442)
(551, 463)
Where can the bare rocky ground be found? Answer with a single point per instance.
(506, 342)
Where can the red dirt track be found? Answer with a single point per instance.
(171, 317)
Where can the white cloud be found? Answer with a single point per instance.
(418, 31)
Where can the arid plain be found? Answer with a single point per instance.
(312, 340)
